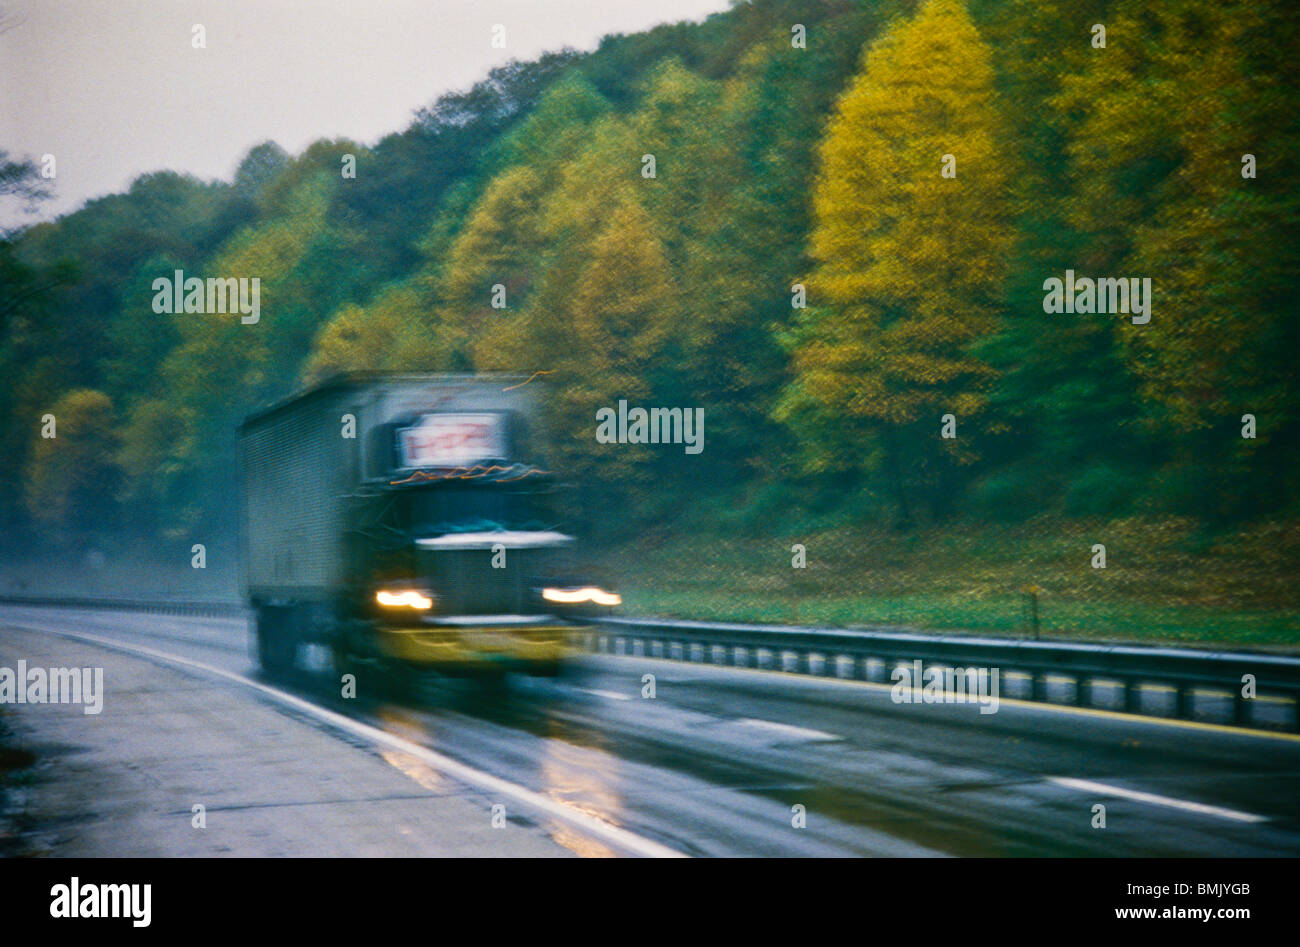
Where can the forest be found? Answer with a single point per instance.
(833, 227)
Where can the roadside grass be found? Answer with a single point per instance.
(1164, 581)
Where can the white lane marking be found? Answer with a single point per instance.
(788, 730)
(1087, 785)
(467, 774)
(610, 695)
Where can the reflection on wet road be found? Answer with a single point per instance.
(733, 762)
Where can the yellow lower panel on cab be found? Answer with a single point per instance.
(470, 645)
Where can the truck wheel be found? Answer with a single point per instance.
(350, 652)
(275, 647)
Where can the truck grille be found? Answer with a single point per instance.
(467, 584)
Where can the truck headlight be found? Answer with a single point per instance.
(588, 593)
(404, 598)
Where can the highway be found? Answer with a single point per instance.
(717, 763)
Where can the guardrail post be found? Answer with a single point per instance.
(1038, 680)
(887, 668)
(1083, 690)
(1133, 696)
(831, 666)
(1240, 710)
(1183, 702)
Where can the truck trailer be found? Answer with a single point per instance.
(409, 521)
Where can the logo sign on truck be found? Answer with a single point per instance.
(452, 440)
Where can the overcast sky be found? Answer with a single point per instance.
(114, 88)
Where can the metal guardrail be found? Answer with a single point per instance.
(213, 609)
(875, 654)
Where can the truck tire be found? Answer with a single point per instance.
(352, 653)
(275, 644)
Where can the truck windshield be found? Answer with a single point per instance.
(443, 508)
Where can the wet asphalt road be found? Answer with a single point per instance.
(715, 764)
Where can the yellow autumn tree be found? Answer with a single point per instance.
(72, 476)
(603, 340)
(909, 241)
(399, 330)
(503, 251)
(600, 304)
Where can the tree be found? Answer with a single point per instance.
(259, 168)
(397, 331)
(1161, 194)
(613, 324)
(72, 477)
(21, 182)
(908, 263)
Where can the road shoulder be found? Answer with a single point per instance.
(125, 782)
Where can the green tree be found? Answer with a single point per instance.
(1161, 194)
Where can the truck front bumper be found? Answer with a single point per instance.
(476, 646)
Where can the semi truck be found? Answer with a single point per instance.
(408, 521)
